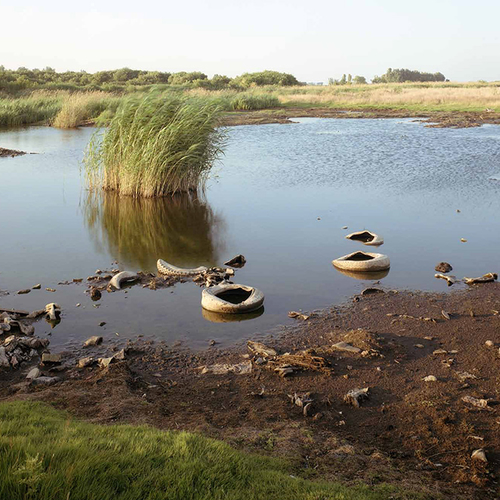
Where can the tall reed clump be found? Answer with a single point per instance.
(155, 146)
(79, 107)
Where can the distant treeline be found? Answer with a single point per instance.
(408, 75)
(24, 78)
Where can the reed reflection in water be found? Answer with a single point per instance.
(182, 229)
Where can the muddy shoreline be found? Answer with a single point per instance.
(412, 432)
(434, 119)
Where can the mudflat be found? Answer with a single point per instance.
(429, 361)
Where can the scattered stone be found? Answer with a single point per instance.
(53, 310)
(479, 455)
(104, 362)
(212, 342)
(92, 341)
(242, 368)
(50, 289)
(45, 381)
(480, 403)
(463, 240)
(260, 349)
(355, 396)
(463, 376)
(298, 315)
(102, 323)
(489, 343)
(485, 278)
(438, 352)
(443, 267)
(84, 362)
(51, 358)
(120, 355)
(78, 304)
(24, 291)
(419, 346)
(303, 401)
(33, 373)
(238, 262)
(95, 294)
(344, 346)
(430, 378)
(37, 286)
(4, 361)
(344, 227)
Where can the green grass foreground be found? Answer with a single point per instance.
(47, 455)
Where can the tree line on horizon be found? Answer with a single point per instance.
(116, 80)
(24, 78)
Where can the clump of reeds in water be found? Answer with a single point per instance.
(156, 145)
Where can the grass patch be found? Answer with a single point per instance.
(79, 107)
(156, 145)
(46, 455)
(35, 108)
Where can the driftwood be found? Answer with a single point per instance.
(450, 279)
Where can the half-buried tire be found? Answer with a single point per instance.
(363, 261)
(231, 298)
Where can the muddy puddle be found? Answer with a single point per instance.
(281, 196)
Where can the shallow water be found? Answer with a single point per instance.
(280, 196)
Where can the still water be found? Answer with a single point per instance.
(280, 196)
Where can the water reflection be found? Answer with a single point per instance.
(230, 318)
(361, 275)
(182, 230)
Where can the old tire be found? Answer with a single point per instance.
(363, 262)
(214, 298)
(170, 270)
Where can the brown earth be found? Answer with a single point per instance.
(408, 432)
(441, 119)
(10, 152)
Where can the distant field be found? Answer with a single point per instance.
(67, 109)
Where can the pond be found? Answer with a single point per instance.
(281, 196)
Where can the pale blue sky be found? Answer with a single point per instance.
(313, 39)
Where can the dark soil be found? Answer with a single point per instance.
(435, 119)
(408, 432)
(10, 152)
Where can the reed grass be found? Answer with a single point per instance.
(35, 108)
(156, 145)
(47, 455)
(80, 107)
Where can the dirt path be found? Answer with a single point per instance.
(409, 431)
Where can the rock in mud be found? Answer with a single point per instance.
(298, 315)
(37, 286)
(430, 378)
(33, 373)
(45, 381)
(53, 310)
(24, 291)
(84, 362)
(95, 294)
(238, 262)
(51, 358)
(92, 341)
(443, 267)
(355, 396)
(344, 346)
(242, 368)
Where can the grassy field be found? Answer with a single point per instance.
(69, 109)
(46, 455)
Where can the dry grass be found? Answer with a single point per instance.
(79, 107)
(439, 96)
